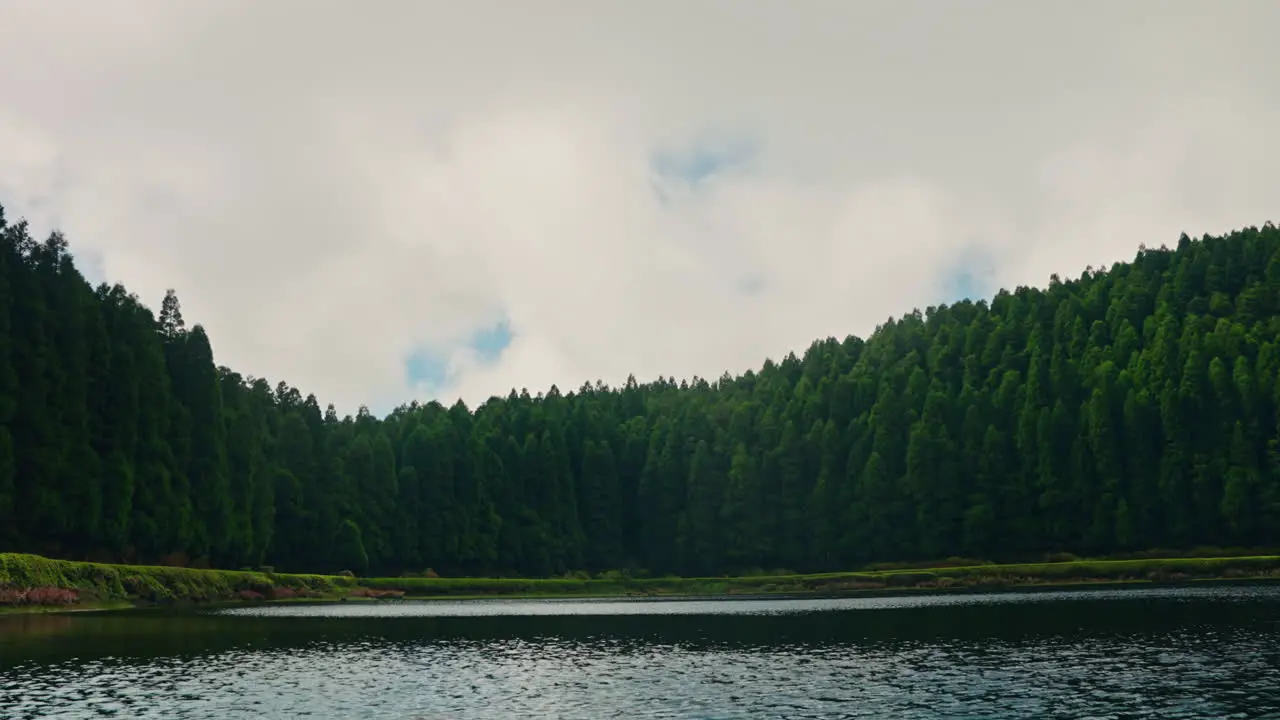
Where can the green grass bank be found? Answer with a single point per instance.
(30, 583)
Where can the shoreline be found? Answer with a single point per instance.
(93, 587)
(908, 591)
(1080, 586)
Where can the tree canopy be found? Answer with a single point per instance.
(1129, 408)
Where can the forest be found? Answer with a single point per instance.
(1133, 407)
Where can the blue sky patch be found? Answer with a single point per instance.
(424, 367)
(429, 367)
(969, 277)
(701, 161)
(491, 341)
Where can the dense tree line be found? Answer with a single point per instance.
(1130, 408)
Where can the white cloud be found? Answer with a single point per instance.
(332, 187)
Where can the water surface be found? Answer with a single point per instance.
(1174, 653)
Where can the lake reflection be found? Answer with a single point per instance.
(1201, 653)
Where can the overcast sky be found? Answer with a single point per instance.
(385, 200)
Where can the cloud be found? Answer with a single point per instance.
(351, 198)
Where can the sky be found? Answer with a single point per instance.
(418, 199)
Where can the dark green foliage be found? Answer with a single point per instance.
(349, 547)
(1131, 408)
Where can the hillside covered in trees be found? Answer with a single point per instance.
(1134, 407)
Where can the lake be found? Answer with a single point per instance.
(1205, 652)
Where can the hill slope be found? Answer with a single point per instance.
(1131, 408)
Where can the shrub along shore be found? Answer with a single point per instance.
(34, 583)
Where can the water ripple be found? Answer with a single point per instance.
(1145, 655)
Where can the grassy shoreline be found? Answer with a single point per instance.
(30, 583)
